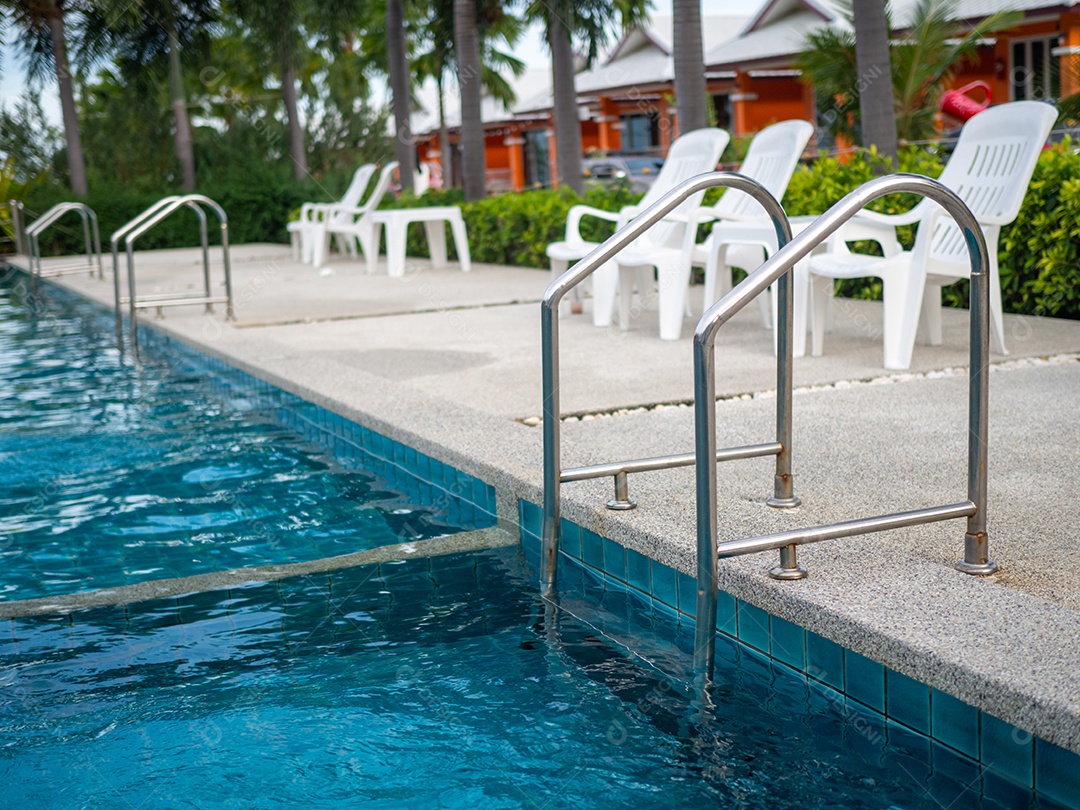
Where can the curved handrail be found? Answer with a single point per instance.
(90, 223)
(976, 559)
(149, 222)
(603, 253)
(138, 219)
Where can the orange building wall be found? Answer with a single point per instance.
(772, 99)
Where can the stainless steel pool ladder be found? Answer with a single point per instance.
(90, 229)
(555, 475)
(18, 225)
(118, 299)
(154, 215)
(778, 268)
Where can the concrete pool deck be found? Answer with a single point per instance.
(449, 363)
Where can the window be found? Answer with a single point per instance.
(537, 158)
(640, 131)
(1035, 72)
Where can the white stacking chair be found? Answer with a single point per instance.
(353, 223)
(303, 232)
(771, 159)
(691, 154)
(744, 235)
(989, 169)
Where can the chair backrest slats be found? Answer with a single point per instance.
(773, 155)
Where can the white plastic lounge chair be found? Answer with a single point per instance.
(771, 160)
(691, 154)
(990, 170)
(743, 234)
(353, 223)
(302, 233)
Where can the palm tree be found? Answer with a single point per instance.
(689, 64)
(276, 27)
(467, 45)
(146, 31)
(872, 61)
(43, 40)
(494, 25)
(400, 87)
(921, 64)
(586, 21)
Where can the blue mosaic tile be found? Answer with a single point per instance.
(1007, 749)
(570, 538)
(614, 560)
(788, 643)
(664, 586)
(911, 751)
(954, 723)
(592, 549)
(479, 493)
(907, 701)
(754, 626)
(687, 587)
(825, 660)
(865, 680)
(637, 571)
(530, 515)
(725, 614)
(951, 764)
(1057, 773)
(1004, 791)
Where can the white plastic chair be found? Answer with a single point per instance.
(353, 223)
(744, 235)
(990, 170)
(771, 159)
(303, 232)
(691, 154)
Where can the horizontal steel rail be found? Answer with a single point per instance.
(848, 528)
(130, 225)
(783, 495)
(665, 462)
(976, 558)
(147, 221)
(91, 237)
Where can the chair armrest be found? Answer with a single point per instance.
(578, 212)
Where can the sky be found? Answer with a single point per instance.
(532, 51)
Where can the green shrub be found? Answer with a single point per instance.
(1040, 252)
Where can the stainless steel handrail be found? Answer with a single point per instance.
(135, 304)
(18, 225)
(554, 474)
(131, 224)
(976, 555)
(93, 249)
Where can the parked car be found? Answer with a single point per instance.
(638, 171)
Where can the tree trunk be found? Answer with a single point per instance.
(76, 163)
(446, 161)
(689, 65)
(398, 68)
(296, 131)
(567, 125)
(467, 45)
(877, 114)
(179, 104)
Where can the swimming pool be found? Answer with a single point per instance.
(432, 682)
(112, 475)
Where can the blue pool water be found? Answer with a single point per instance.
(111, 475)
(441, 683)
